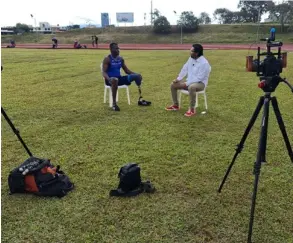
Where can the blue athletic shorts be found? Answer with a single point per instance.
(127, 79)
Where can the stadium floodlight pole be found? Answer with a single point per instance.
(258, 9)
(152, 14)
(35, 21)
(259, 20)
(181, 37)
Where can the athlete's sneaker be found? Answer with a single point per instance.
(190, 113)
(172, 108)
(115, 107)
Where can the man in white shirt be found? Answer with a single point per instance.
(197, 69)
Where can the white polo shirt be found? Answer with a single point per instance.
(196, 70)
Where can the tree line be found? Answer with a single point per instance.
(21, 28)
(249, 12)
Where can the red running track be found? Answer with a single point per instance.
(285, 47)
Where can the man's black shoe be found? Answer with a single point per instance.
(115, 107)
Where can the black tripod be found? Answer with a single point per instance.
(15, 131)
(261, 154)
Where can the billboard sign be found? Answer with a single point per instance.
(104, 19)
(124, 17)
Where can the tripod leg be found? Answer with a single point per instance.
(282, 127)
(15, 131)
(240, 145)
(263, 155)
(260, 156)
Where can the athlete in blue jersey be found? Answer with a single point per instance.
(111, 72)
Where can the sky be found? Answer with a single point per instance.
(65, 12)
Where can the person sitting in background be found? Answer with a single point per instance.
(12, 44)
(55, 42)
(76, 45)
(197, 69)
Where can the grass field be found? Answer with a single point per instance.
(55, 99)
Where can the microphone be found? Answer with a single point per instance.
(273, 34)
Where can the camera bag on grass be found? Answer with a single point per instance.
(36, 175)
(40, 177)
(130, 183)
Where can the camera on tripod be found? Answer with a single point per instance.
(268, 70)
(271, 66)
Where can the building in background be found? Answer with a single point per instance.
(44, 27)
(7, 30)
(105, 19)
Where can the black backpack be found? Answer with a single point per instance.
(130, 183)
(36, 175)
(40, 177)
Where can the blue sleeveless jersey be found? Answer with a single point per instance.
(114, 67)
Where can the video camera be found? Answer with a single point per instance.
(271, 66)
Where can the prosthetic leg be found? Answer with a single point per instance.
(142, 102)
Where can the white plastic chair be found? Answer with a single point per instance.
(186, 92)
(107, 87)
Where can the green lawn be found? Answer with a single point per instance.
(55, 99)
